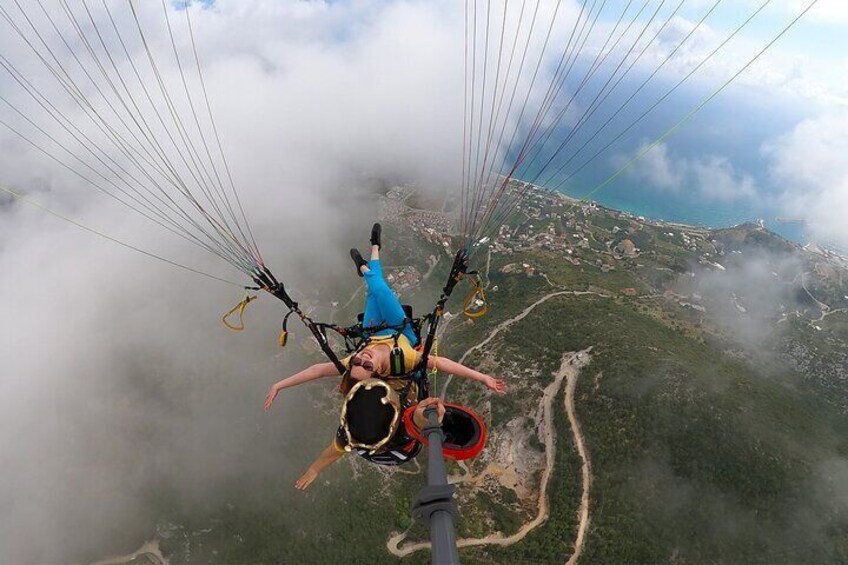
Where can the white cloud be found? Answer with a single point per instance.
(809, 164)
(805, 62)
(718, 180)
(658, 168)
(312, 99)
(711, 178)
(116, 372)
(826, 11)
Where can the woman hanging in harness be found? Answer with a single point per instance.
(386, 352)
(381, 305)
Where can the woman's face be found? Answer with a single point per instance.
(367, 364)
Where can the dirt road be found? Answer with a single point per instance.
(507, 323)
(568, 371)
(586, 470)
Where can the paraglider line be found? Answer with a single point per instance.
(691, 114)
(23, 198)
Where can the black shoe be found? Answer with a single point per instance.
(375, 234)
(358, 260)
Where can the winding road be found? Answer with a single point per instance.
(586, 469)
(569, 370)
(507, 323)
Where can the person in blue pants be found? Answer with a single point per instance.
(382, 308)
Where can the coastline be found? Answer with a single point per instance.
(670, 209)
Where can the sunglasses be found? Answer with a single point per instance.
(367, 365)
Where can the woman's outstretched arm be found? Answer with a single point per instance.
(448, 366)
(316, 371)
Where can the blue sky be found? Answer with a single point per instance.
(743, 156)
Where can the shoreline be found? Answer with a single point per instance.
(769, 218)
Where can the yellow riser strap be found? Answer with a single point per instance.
(240, 307)
(477, 293)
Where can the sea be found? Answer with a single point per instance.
(735, 127)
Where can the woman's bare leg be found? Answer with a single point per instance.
(375, 253)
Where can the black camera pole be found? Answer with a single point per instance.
(435, 506)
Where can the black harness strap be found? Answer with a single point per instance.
(267, 281)
(458, 270)
(356, 335)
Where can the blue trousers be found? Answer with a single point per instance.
(382, 305)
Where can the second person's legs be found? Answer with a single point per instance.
(373, 273)
(381, 303)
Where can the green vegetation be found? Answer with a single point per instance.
(705, 447)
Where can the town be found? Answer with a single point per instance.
(554, 229)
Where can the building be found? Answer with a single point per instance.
(626, 249)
